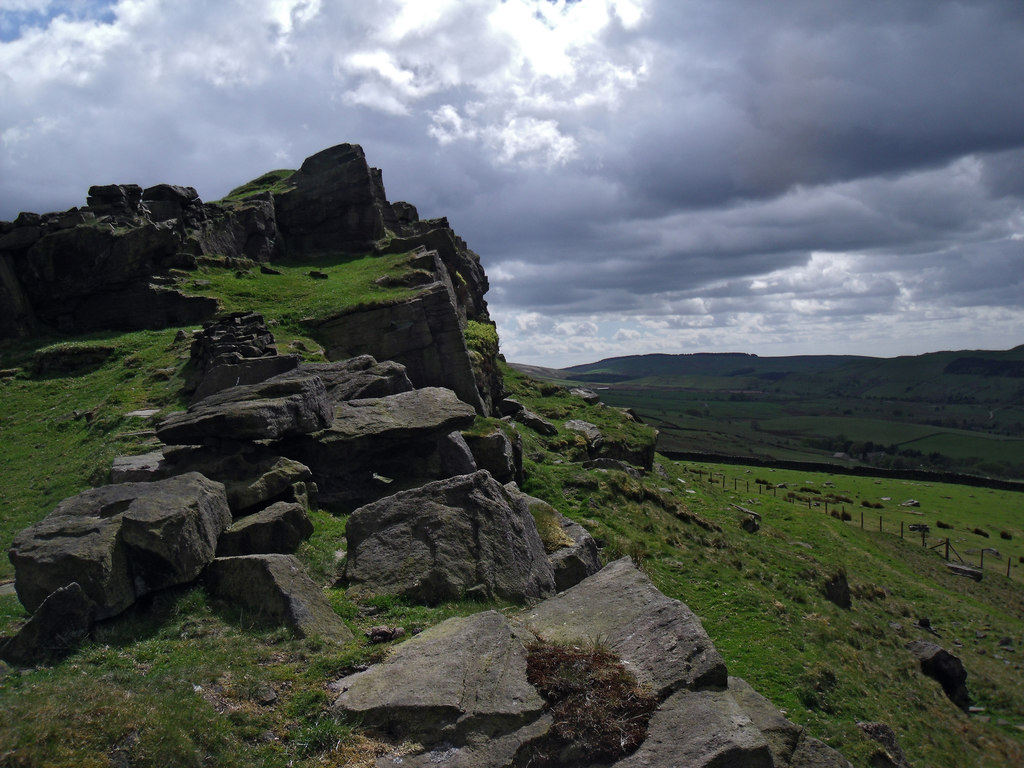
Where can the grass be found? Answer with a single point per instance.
(275, 182)
(761, 596)
(189, 681)
(294, 303)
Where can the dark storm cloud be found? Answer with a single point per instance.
(638, 172)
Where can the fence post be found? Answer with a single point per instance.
(982, 558)
(808, 502)
(1009, 562)
(879, 523)
(901, 529)
(862, 520)
(947, 549)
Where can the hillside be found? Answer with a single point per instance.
(957, 412)
(191, 674)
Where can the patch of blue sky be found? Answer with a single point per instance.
(19, 16)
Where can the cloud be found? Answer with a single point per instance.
(637, 175)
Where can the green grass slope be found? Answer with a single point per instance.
(187, 681)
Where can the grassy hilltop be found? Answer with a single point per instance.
(186, 681)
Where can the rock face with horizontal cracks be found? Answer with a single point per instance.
(120, 542)
(463, 675)
(446, 539)
(424, 333)
(268, 410)
(253, 475)
(375, 442)
(659, 639)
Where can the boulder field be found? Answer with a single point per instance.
(384, 434)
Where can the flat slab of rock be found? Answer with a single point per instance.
(279, 528)
(243, 371)
(446, 539)
(431, 409)
(701, 729)
(659, 639)
(277, 588)
(120, 542)
(268, 410)
(464, 674)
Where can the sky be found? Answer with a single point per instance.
(673, 176)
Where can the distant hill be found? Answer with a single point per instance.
(951, 410)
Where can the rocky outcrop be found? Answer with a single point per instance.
(336, 205)
(120, 542)
(253, 476)
(462, 689)
(268, 410)
(445, 540)
(424, 333)
(276, 589)
(374, 443)
(237, 349)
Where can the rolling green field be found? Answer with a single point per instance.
(949, 411)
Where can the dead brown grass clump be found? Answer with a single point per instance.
(599, 709)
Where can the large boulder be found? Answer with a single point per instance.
(446, 539)
(464, 675)
(59, 624)
(660, 639)
(424, 333)
(120, 542)
(942, 666)
(276, 588)
(335, 204)
(496, 453)
(280, 528)
(269, 410)
(375, 442)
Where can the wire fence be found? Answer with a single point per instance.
(837, 508)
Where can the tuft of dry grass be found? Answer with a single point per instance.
(599, 709)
